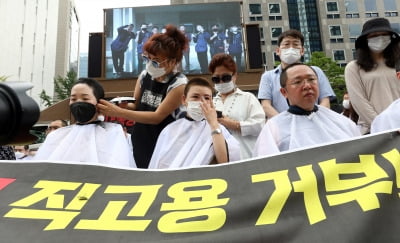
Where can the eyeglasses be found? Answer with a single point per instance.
(225, 78)
(301, 82)
(154, 63)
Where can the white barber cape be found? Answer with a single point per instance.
(387, 119)
(287, 131)
(188, 143)
(103, 143)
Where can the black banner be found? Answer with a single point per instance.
(342, 192)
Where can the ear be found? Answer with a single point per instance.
(398, 75)
(302, 51)
(284, 92)
(184, 100)
(234, 77)
(278, 51)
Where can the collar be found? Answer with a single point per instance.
(294, 109)
(237, 91)
(97, 122)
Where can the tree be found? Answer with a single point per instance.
(332, 70)
(62, 89)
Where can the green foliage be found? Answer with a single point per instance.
(332, 70)
(45, 99)
(3, 78)
(62, 89)
(63, 86)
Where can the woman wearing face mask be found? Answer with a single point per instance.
(158, 93)
(89, 140)
(198, 139)
(371, 79)
(242, 113)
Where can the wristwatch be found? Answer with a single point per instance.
(216, 131)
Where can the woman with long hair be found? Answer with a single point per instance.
(371, 79)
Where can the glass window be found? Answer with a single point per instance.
(332, 7)
(354, 30)
(335, 30)
(390, 5)
(391, 14)
(274, 8)
(351, 6)
(261, 33)
(338, 55)
(370, 5)
(276, 58)
(275, 32)
(264, 59)
(255, 9)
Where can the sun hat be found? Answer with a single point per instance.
(375, 25)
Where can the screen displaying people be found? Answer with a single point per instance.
(207, 36)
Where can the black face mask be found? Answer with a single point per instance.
(82, 111)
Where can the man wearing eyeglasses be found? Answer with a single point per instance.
(304, 123)
(290, 50)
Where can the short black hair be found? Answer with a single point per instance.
(291, 33)
(97, 88)
(284, 77)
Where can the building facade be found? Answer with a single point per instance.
(40, 41)
(330, 26)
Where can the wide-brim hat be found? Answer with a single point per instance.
(375, 25)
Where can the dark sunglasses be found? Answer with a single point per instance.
(225, 78)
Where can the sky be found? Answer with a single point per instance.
(90, 13)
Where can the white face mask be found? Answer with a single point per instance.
(379, 43)
(153, 71)
(346, 104)
(19, 155)
(194, 110)
(224, 88)
(290, 55)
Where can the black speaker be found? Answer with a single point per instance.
(254, 46)
(95, 54)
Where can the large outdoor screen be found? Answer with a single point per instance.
(211, 28)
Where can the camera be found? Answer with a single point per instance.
(18, 113)
(219, 114)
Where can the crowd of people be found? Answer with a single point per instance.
(206, 43)
(188, 123)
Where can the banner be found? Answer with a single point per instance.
(341, 192)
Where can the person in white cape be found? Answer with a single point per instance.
(197, 139)
(89, 140)
(304, 123)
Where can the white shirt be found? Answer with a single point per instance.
(287, 131)
(245, 108)
(103, 143)
(187, 143)
(388, 119)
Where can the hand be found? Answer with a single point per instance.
(108, 109)
(229, 123)
(209, 112)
